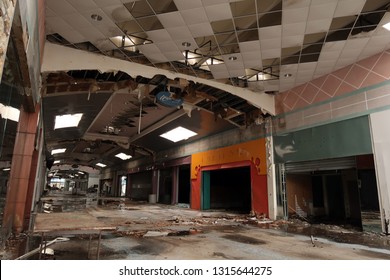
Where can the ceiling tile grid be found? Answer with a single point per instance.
(265, 34)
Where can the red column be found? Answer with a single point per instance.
(22, 163)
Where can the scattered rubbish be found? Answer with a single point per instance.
(312, 240)
(48, 251)
(156, 234)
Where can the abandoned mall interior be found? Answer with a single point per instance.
(148, 122)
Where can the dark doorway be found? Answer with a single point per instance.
(335, 197)
(141, 185)
(165, 186)
(184, 184)
(230, 189)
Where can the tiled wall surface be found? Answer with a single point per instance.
(368, 72)
(354, 90)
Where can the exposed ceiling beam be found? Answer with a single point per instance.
(60, 58)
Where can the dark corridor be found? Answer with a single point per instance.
(230, 189)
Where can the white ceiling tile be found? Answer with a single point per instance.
(179, 33)
(194, 16)
(289, 68)
(201, 29)
(270, 44)
(293, 4)
(318, 26)
(187, 5)
(253, 63)
(308, 66)
(236, 72)
(219, 12)
(91, 34)
(344, 62)
(356, 43)
(218, 67)
(294, 29)
(295, 15)
(117, 13)
(77, 21)
(106, 3)
(160, 35)
(179, 44)
(60, 7)
(349, 7)
(292, 41)
(333, 46)
(167, 46)
(58, 25)
(83, 5)
(252, 46)
(152, 52)
(213, 2)
(174, 55)
(271, 32)
(172, 19)
(273, 53)
(322, 11)
(106, 25)
(350, 53)
(329, 55)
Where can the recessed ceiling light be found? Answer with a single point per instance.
(6, 169)
(386, 26)
(178, 134)
(68, 120)
(123, 156)
(232, 58)
(186, 44)
(287, 75)
(96, 17)
(101, 164)
(58, 151)
(9, 113)
(56, 161)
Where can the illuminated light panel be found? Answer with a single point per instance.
(58, 151)
(56, 161)
(386, 26)
(9, 113)
(178, 134)
(69, 120)
(123, 156)
(101, 164)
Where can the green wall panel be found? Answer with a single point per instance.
(340, 139)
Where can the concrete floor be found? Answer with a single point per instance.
(154, 231)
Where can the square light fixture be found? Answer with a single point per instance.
(387, 26)
(68, 120)
(177, 134)
(9, 113)
(101, 164)
(58, 151)
(123, 156)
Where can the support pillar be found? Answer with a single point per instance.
(21, 169)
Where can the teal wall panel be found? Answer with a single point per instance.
(340, 139)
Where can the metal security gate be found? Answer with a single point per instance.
(320, 165)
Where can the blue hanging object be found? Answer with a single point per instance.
(165, 98)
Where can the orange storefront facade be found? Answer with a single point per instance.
(250, 155)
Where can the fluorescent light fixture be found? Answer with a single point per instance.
(81, 172)
(9, 113)
(178, 134)
(69, 120)
(58, 151)
(101, 164)
(123, 156)
(56, 161)
(387, 26)
(6, 169)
